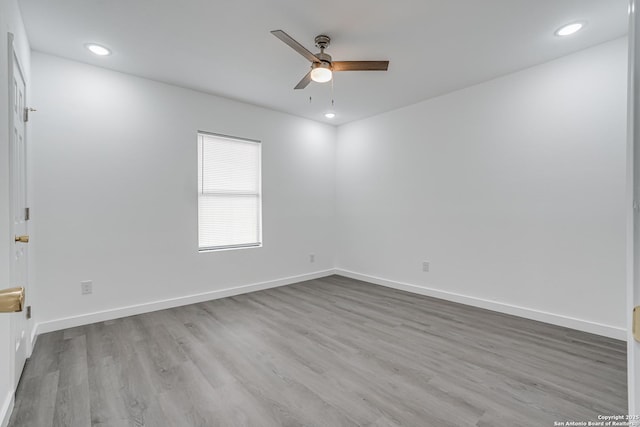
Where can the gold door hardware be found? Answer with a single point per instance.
(636, 322)
(22, 239)
(11, 300)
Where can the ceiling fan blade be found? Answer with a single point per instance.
(295, 45)
(304, 82)
(360, 65)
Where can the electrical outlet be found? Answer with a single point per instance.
(425, 266)
(312, 258)
(86, 287)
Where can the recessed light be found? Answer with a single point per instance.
(97, 49)
(569, 29)
(329, 115)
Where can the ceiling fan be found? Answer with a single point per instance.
(322, 67)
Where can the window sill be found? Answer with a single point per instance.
(228, 248)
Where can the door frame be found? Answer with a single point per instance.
(633, 207)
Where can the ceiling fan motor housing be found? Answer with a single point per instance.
(325, 60)
(322, 41)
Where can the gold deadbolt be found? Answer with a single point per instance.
(11, 300)
(22, 239)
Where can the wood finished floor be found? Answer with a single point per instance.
(328, 352)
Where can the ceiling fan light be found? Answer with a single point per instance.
(321, 74)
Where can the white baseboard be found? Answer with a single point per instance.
(34, 338)
(101, 316)
(527, 313)
(6, 409)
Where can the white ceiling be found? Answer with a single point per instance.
(224, 47)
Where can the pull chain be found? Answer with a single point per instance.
(332, 97)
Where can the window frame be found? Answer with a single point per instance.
(201, 193)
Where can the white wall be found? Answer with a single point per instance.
(116, 178)
(10, 21)
(512, 189)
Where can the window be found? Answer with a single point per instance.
(229, 192)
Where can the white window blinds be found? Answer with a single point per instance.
(229, 194)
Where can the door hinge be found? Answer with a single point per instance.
(28, 312)
(27, 214)
(26, 113)
(636, 322)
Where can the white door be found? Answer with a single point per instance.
(18, 171)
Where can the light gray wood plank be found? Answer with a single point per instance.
(327, 352)
(36, 404)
